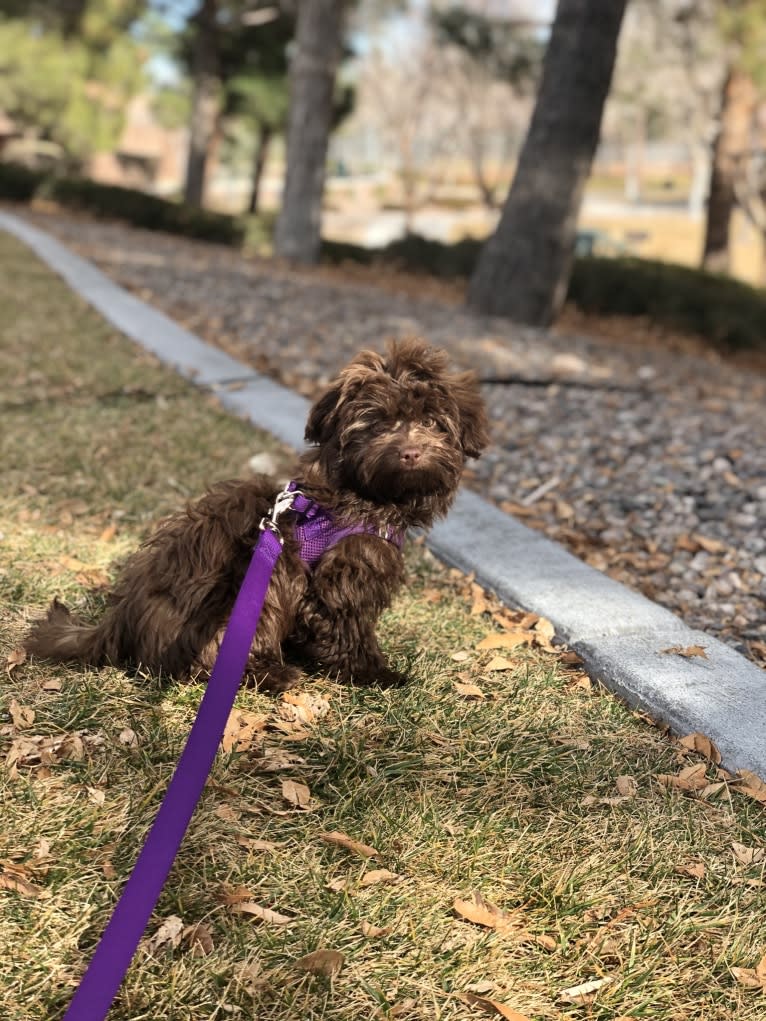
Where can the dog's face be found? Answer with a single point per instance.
(397, 427)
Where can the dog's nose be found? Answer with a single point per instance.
(410, 456)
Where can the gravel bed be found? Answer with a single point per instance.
(648, 464)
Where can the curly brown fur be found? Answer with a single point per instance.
(391, 436)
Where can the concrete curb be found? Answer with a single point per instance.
(621, 635)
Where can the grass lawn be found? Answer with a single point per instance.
(534, 847)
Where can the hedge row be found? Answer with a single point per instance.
(729, 313)
(22, 185)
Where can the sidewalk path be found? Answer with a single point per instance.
(623, 637)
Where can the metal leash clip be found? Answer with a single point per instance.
(283, 502)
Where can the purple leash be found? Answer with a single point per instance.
(117, 946)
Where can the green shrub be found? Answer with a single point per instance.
(137, 207)
(144, 210)
(728, 312)
(19, 183)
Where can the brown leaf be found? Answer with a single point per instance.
(702, 745)
(169, 932)
(377, 876)
(128, 737)
(460, 657)
(322, 962)
(692, 778)
(687, 651)
(199, 938)
(544, 630)
(499, 663)
(481, 912)
(505, 640)
(22, 715)
(586, 992)
(241, 728)
(98, 797)
(750, 977)
(268, 915)
(468, 690)
(108, 533)
(255, 844)
(296, 793)
(340, 884)
(22, 886)
(694, 869)
(15, 658)
(626, 786)
(373, 931)
(753, 786)
(341, 840)
(748, 855)
(52, 684)
(494, 1007)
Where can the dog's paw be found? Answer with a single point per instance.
(274, 678)
(382, 677)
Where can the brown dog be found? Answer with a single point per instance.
(391, 436)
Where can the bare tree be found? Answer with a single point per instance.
(318, 49)
(523, 269)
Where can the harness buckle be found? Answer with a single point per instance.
(283, 502)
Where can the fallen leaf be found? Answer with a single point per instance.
(227, 813)
(373, 931)
(753, 786)
(506, 640)
(108, 533)
(695, 869)
(22, 715)
(110, 872)
(570, 658)
(702, 745)
(200, 939)
(626, 786)
(377, 876)
(710, 545)
(468, 690)
(586, 992)
(322, 962)
(499, 663)
(753, 978)
(687, 651)
(481, 912)
(241, 728)
(341, 840)
(460, 657)
(268, 915)
(15, 658)
(544, 629)
(256, 844)
(96, 796)
(22, 886)
(128, 737)
(748, 855)
(494, 1007)
(339, 885)
(692, 778)
(169, 932)
(296, 793)
(581, 682)
(51, 684)
(432, 595)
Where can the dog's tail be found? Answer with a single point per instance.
(59, 636)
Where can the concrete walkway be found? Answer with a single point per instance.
(621, 636)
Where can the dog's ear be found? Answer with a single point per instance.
(474, 426)
(321, 420)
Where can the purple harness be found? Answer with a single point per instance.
(317, 531)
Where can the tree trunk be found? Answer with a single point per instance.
(523, 269)
(319, 39)
(731, 144)
(265, 134)
(204, 115)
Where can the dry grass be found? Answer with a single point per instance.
(512, 795)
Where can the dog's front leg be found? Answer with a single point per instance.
(352, 584)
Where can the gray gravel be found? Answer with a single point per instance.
(649, 465)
